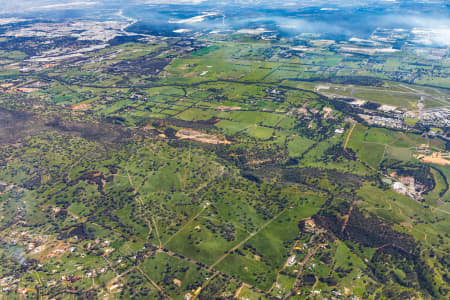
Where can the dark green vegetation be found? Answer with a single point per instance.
(102, 194)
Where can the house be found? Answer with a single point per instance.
(291, 261)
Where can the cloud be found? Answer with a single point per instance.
(428, 30)
(23, 6)
(68, 5)
(181, 2)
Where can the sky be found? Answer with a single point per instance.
(15, 6)
(18, 6)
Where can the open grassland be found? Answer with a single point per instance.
(376, 144)
(153, 170)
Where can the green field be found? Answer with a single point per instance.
(220, 166)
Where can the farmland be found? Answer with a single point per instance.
(221, 166)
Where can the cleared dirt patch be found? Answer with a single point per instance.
(228, 108)
(201, 137)
(81, 107)
(435, 158)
